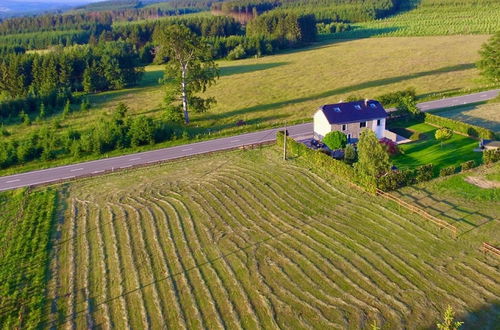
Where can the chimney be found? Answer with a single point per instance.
(366, 102)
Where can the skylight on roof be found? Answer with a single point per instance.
(336, 109)
(357, 107)
(373, 106)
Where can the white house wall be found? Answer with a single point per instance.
(379, 130)
(321, 125)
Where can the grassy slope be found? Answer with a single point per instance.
(244, 239)
(480, 114)
(428, 150)
(453, 199)
(25, 223)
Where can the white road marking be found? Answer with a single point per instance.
(11, 181)
(66, 178)
(187, 149)
(76, 169)
(95, 172)
(126, 166)
(237, 140)
(483, 95)
(131, 160)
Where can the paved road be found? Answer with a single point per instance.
(97, 167)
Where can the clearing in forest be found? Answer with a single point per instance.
(244, 240)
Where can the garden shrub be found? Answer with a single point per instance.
(350, 154)
(424, 173)
(447, 171)
(394, 97)
(459, 127)
(468, 165)
(491, 156)
(390, 146)
(335, 140)
(396, 179)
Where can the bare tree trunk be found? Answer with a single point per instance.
(184, 94)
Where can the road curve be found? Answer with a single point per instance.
(96, 167)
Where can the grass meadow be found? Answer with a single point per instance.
(245, 240)
(484, 114)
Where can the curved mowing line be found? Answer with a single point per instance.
(206, 207)
(195, 228)
(325, 261)
(173, 291)
(267, 245)
(145, 315)
(103, 258)
(72, 270)
(116, 252)
(207, 298)
(189, 302)
(145, 276)
(312, 241)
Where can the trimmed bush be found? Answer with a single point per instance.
(447, 171)
(459, 127)
(491, 156)
(425, 173)
(468, 165)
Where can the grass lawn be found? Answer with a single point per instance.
(242, 239)
(427, 150)
(484, 114)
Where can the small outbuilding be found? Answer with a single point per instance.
(350, 118)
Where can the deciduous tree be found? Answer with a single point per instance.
(190, 68)
(490, 59)
(443, 134)
(373, 158)
(335, 140)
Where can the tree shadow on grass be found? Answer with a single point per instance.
(238, 69)
(341, 90)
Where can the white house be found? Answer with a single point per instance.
(350, 118)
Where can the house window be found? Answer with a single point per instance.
(357, 107)
(378, 122)
(362, 124)
(336, 109)
(344, 127)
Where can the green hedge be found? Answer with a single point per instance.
(459, 127)
(447, 171)
(320, 160)
(468, 165)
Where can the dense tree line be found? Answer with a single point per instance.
(29, 79)
(245, 6)
(289, 29)
(117, 132)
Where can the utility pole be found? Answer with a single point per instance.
(284, 143)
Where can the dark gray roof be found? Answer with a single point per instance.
(351, 112)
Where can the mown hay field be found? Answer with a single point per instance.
(245, 240)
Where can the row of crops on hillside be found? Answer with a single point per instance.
(444, 17)
(242, 240)
(25, 223)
